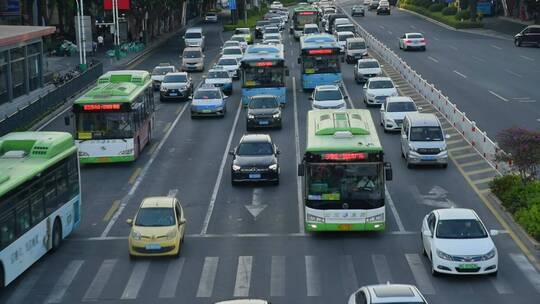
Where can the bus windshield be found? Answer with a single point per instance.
(321, 64)
(106, 125)
(361, 186)
(264, 77)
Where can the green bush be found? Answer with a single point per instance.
(449, 11)
(436, 7)
(510, 191)
(449, 20)
(463, 14)
(529, 219)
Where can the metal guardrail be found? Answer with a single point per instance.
(43, 105)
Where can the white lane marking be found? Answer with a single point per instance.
(256, 207)
(170, 281)
(313, 279)
(100, 280)
(298, 160)
(478, 59)
(208, 276)
(220, 174)
(348, 274)
(381, 26)
(26, 285)
(420, 274)
(433, 59)
(501, 285)
(436, 38)
(243, 276)
(381, 269)
(526, 58)
(64, 281)
(135, 280)
(453, 47)
(413, 27)
(277, 276)
(460, 74)
(389, 32)
(513, 73)
(527, 269)
(172, 193)
(393, 208)
(125, 200)
(495, 47)
(497, 95)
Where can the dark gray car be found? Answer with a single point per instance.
(263, 111)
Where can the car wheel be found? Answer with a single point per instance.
(444, 166)
(517, 42)
(409, 165)
(276, 182)
(385, 130)
(424, 48)
(132, 257)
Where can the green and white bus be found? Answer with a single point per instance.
(114, 120)
(344, 172)
(40, 199)
(302, 15)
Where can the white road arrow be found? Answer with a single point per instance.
(256, 206)
(436, 197)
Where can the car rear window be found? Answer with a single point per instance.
(414, 36)
(175, 78)
(206, 94)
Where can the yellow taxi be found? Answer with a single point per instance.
(158, 228)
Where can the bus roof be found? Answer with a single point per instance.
(25, 154)
(264, 56)
(138, 77)
(117, 86)
(341, 131)
(305, 8)
(316, 41)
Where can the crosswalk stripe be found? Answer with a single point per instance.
(100, 280)
(420, 274)
(381, 268)
(208, 276)
(527, 268)
(64, 281)
(277, 276)
(501, 285)
(348, 275)
(243, 276)
(26, 285)
(135, 280)
(170, 282)
(313, 279)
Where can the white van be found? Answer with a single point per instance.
(194, 37)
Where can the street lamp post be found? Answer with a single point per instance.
(82, 38)
(116, 29)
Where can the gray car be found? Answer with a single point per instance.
(176, 86)
(263, 111)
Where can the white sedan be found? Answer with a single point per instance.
(457, 242)
(377, 89)
(393, 112)
(411, 41)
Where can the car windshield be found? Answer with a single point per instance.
(193, 35)
(207, 94)
(241, 31)
(357, 45)
(227, 61)
(345, 28)
(231, 43)
(426, 134)
(345, 37)
(272, 36)
(175, 78)
(155, 217)
(238, 38)
(255, 149)
(460, 229)
(310, 30)
(192, 54)
(262, 23)
(328, 95)
(162, 70)
(232, 51)
(381, 84)
(405, 106)
(368, 64)
(414, 36)
(263, 103)
(210, 14)
(271, 30)
(218, 74)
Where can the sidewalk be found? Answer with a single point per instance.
(504, 25)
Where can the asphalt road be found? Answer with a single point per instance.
(228, 252)
(490, 79)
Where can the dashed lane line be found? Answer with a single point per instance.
(497, 95)
(134, 175)
(111, 211)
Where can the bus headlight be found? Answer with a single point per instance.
(375, 218)
(171, 234)
(313, 218)
(126, 152)
(136, 235)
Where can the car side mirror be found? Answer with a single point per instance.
(494, 232)
(427, 233)
(301, 169)
(404, 136)
(388, 171)
(231, 152)
(346, 98)
(67, 121)
(278, 152)
(365, 86)
(382, 108)
(129, 222)
(447, 136)
(299, 60)
(310, 98)
(181, 222)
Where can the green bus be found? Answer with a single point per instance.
(114, 120)
(344, 172)
(301, 16)
(40, 199)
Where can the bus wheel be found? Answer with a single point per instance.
(56, 235)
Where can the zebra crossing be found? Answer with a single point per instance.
(277, 273)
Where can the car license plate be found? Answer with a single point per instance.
(345, 227)
(429, 158)
(254, 176)
(468, 266)
(207, 111)
(152, 246)
(173, 94)
(263, 122)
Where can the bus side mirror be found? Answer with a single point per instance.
(299, 60)
(67, 121)
(388, 171)
(300, 169)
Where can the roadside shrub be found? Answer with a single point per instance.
(463, 14)
(436, 7)
(511, 191)
(529, 219)
(449, 11)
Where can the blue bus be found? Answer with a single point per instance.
(263, 72)
(319, 60)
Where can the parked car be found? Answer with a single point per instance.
(255, 159)
(412, 41)
(528, 36)
(176, 86)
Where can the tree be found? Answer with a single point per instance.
(522, 150)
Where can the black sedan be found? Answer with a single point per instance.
(263, 111)
(255, 160)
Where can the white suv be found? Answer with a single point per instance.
(194, 37)
(328, 97)
(377, 89)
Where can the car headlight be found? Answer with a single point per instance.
(182, 88)
(389, 120)
(82, 153)
(273, 167)
(314, 218)
(277, 115)
(251, 116)
(163, 88)
(236, 167)
(171, 235)
(444, 256)
(412, 148)
(135, 235)
(443, 149)
(126, 152)
(375, 218)
(490, 255)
